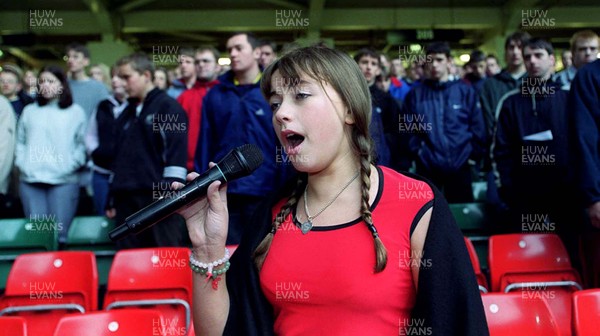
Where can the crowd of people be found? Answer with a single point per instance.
(123, 134)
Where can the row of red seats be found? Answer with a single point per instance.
(122, 322)
(44, 286)
(518, 259)
(506, 313)
(516, 314)
(533, 267)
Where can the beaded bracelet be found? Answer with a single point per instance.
(207, 268)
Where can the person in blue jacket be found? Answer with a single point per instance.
(446, 127)
(234, 113)
(584, 107)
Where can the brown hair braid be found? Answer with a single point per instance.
(338, 70)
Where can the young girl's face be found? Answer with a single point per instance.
(50, 86)
(310, 121)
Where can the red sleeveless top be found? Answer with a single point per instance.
(323, 283)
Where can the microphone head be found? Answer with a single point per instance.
(241, 161)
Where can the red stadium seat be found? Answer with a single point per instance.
(586, 312)
(157, 278)
(481, 280)
(537, 265)
(511, 314)
(13, 326)
(42, 287)
(518, 259)
(121, 322)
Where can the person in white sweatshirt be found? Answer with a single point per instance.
(50, 150)
(8, 122)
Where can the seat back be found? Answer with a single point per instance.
(558, 300)
(13, 326)
(44, 286)
(469, 216)
(155, 277)
(122, 322)
(514, 315)
(90, 233)
(21, 235)
(481, 280)
(532, 255)
(586, 312)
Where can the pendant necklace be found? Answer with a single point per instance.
(307, 226)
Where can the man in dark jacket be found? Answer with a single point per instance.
(385, 113)
(531, 151)
(446, 126)
(234, 113)
(584, 104)
(151, 153)
(510, 78)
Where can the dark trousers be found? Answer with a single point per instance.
(241, 210)
(456, 185)
(170, 231)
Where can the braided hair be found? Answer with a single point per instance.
(337, 69)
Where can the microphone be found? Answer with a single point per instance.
(239, 162)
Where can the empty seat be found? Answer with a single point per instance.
(159, 278)
(21, 235)
(90, 233)
(470, 216)
(536, 265)
(13, 326)
(517, 260)
(44, 286)
(481, 280)
(586, 312)
(122, 322)
(510, 314)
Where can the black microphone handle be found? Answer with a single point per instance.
(166, 206)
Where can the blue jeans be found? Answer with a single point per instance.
(49, 202)
(100, 185)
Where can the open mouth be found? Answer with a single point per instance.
(293, 143)
(294, 139)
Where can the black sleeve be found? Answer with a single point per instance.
(175, 138)
(448, 299)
